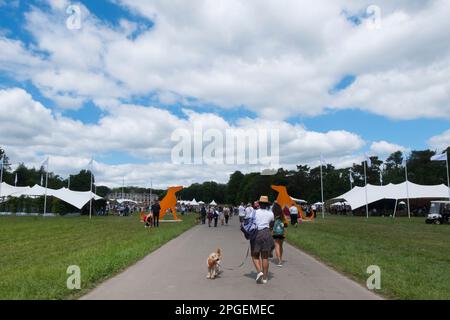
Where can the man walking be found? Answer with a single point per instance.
(294, 215)
(156, 209)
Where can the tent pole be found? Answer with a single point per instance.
(448, 179)
(407, 190)
(365, 181)
(46, 185)
(395, 209)
(1, 176)
(321, 189)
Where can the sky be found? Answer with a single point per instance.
(115, 80)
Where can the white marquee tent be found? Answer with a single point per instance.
(356, 197)
(76, 198)
(213, 203)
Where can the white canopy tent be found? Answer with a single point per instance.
(76, 198)
(194, 203)
(356, 197)
(213, 203)
(299, 200)
(120, 201)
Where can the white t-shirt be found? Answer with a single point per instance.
(293, 210)
(263, 218)
(249, 212)
(241, 211)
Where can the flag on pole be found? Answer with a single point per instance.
(381, 177)
(369, 162)
(42, 179)
(351, 177)
(15, 181)
(323, 162)
(45, 163)
(439, 157)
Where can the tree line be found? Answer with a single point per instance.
(303, 182)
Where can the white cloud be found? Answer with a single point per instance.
(31, 132)
(440, 142)
(276, 58)
(384, 148)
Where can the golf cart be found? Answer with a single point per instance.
(439, 212)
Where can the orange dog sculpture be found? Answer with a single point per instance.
(285, 200)
(170, 202)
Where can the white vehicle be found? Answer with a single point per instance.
(439, 212)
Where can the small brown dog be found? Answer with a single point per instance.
(213, 263)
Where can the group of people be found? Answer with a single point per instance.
(271, 223)
(215, 214)
(152, 218)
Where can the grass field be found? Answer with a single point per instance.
(414, 257)
(35, 252)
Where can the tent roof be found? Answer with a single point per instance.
(76, 198)
(357, 198)
(213, 203)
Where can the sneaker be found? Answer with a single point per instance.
(259, 277)
(279, 265)
(264, 281)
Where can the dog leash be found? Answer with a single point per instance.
(242, 264)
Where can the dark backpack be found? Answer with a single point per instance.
(249, 227)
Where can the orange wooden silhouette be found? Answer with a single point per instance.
(170, 202)
(285, 200)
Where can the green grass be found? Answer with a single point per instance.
(414, 257)
(35, 252)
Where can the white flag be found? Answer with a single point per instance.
(439, 157)
(42, 179)
(351, 177)
(15, 180)
(381, 178)
(45, 163)
(323, 162)
(369, 162)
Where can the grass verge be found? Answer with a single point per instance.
(35, 252)
(414, 258)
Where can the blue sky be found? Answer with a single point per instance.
(339, 99)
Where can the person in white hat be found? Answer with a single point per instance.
(263, 244)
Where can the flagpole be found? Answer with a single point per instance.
(321, 189)
(1, 175)
(46, 185)
(365, 181)
(151, 190)
(448, 179)
(90, 201)
(407, 189)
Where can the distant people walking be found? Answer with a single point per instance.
(156, 209)
(226, 214)
(262, 245)
(279, 232)
(294, 215)
(221, 216)
(216, 217)
(210, 216)
(249, 210)
(241, 212)
(203, 214)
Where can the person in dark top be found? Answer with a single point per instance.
(203, 214)
(156, 209)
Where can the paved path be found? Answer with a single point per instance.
(177, 271)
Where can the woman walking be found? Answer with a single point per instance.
(210, 216)
(262, 245)
(279, 232)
